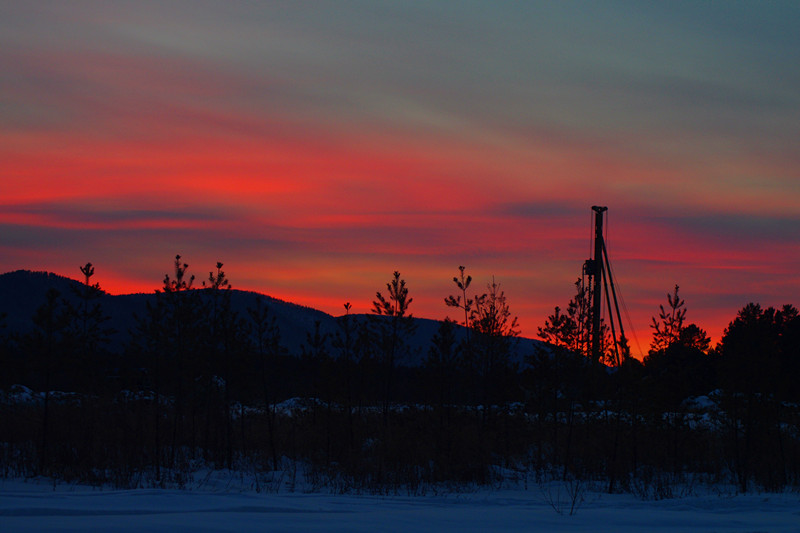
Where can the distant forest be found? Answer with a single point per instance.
(198, 383)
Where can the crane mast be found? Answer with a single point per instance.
(598, 269)
(597, 273)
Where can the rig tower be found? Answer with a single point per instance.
(598, 269)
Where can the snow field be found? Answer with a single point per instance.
(38, 507)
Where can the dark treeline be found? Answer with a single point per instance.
(202, 385)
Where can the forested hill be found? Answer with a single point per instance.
(22, 292)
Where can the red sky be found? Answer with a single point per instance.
(314, 152)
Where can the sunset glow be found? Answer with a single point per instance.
(315, 150)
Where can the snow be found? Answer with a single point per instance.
(38, 506)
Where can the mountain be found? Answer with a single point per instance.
(23, 291)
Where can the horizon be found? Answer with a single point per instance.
(364, 309)
(316, 151)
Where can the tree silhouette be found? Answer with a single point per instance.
(751, 351)
(677, 365)
(667, 329)
(789, 348)
(225, 359)
(495, 329)
(396, 303)
(570, 329)
(88, 322)
(692, 336)
(682, 370)
(184, 331)
(179, 283)
(752, 364)
(462, 301)
(394, 324)
(346, 346)
(560, 330)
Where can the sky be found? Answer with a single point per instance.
(315, 148)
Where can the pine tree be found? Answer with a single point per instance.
(560, 330)
(183, 313)
(667, 329)
(570, 330)
(394, 324)
(677, 364)
(754, 359)
(88, 325)
(692, 336)
(495, 330)
(224, 333)
(462, 301)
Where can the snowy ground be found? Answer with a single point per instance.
(29, 506)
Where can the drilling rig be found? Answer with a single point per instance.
(598, 271)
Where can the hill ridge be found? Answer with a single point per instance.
(23, 291)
